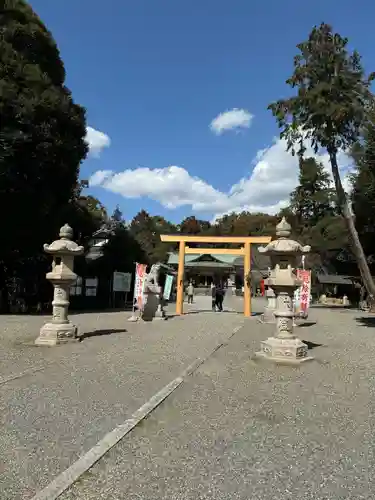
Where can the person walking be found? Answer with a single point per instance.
(219, 297)
(190, 293)
(213, 295)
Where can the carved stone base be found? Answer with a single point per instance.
(284, 351)
(52, 334)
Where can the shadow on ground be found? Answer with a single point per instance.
(311, 345)
(368, 321)
(188, 313)
(306, 324)
(99, 333)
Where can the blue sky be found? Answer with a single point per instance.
(154, 74)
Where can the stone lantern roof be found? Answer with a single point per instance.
(284, 245)
(65, 245)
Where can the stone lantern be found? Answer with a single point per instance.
(284, 254)
(60, 330)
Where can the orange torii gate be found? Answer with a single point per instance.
(245, 250)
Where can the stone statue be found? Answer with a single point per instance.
(284, 254)
(152, 278)
(60, 330)
(153, 295)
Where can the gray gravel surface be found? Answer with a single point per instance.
(51, 417)
(242, 430)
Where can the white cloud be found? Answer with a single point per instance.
(96, 141)
(99, 177)
(234, 119)
(266, 189)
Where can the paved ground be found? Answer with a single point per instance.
(50, 417)
(241, 430)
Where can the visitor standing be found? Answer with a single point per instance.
(219, 296)
(213, 295)
(190, 293)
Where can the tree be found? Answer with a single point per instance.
(147, 230)
(120, 253)
(42, 135)
(313, 198)
(330, 109)
(363, 192)
(328, 238)
(192, 225)
(245, 224)
(117, 215)
(161, 250)
(94, 207)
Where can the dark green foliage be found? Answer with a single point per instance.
(363, 193)
(313, 215)
(143, 230)
(328, 237)
(192, 225)
(147, 230)
(245, 224)
(41, 135)
(117, 215)
(313, 199)
(333, 94)
(120, 253)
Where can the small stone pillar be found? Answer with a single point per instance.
(268, 315)
(284, 253)
(60, 330)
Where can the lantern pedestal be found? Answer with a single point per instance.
(283, 351)
(52, 334)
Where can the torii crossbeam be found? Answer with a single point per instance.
(245, 250)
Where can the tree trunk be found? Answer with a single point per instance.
(349, 220)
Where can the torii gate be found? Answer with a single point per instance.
(245, 250)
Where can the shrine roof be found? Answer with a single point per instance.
(334, 279)
(195, 258)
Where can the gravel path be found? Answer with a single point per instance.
(83, 390)
(242, 430)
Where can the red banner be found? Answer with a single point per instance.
(140, 272)
(302, 295)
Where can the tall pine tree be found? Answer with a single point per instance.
(329, 110)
